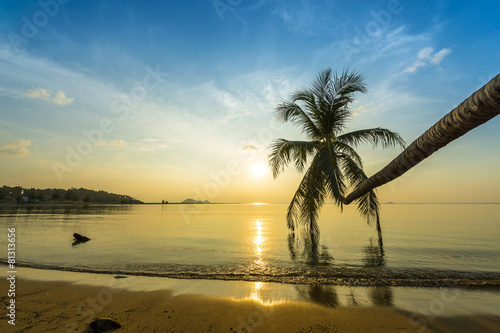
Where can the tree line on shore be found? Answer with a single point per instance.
(30, 195)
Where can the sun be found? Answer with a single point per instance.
(258, 169)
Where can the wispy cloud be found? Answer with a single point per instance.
(39, 93)
(365, 108)
(23, 70)
(309, 17)
(390, 42)
(438, 57)
(15, 148)
(155, 144)
(119, 143)
(170, 119)
(298, 21)
(427, 56)
(116, 143)
(249, 147)
(61, 98)
(46, 94)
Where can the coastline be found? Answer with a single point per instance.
(345, 277)
(50, 204)
(68, 301)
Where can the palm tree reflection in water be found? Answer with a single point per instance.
(375, 257)
(309, 249)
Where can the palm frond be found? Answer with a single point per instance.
(329, 163)
(339, 95)
(368, 205)
(290, 111)
(307, 200)
(352, 171)
(335, 121)
(344, 149)
(375, 136)
(310, 106)
(345, 85)
(322, 83)
(283, 152)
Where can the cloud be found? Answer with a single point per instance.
(425, 53)
(61, 99)
(155, 144)
(39, 93)
(438, 57)
(119, 143)
(209, 110)
(17, 143)
(249, 148)
(427, 56)
(361, 109)
(116, 143)
(389, 43)
(308, 17)
(413, 68)
(46, 94)
(366, 108)
(15, 148)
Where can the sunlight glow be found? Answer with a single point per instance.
(255, 295)
(261, 295)
(258, 170)
(259, 241)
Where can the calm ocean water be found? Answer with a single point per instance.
(420, 244)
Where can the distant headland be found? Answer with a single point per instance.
(192, 201)
(20, 195)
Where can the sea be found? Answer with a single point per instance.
(420, 245)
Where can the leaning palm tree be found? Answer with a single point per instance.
(322, 112)
(477, 109)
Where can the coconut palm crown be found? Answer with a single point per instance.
(333, 165)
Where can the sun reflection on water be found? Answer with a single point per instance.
(259, 241)
(255, 295)
(266, 299)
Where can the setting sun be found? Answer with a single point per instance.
(258, 170)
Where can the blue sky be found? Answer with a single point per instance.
(174, 99)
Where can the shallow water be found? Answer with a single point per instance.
(421, 244)
(425, 302)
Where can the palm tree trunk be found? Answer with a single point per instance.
(380, 241)
(480, 107)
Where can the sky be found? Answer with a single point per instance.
(174, 99)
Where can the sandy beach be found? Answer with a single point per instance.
(70, 304)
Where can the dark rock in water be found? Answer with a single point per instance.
(102, 325)
(120, 277)
(79, 239)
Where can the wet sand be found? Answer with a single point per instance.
(68, 302)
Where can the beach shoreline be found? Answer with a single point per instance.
(68, 302)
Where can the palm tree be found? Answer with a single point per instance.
(477, 109)
(322, 112)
